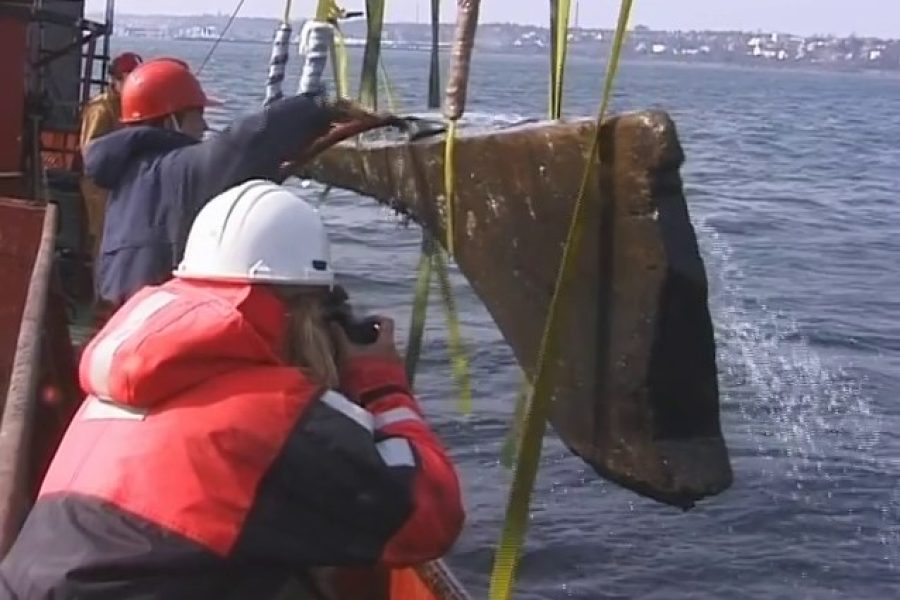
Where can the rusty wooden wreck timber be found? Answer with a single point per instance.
(636, 389)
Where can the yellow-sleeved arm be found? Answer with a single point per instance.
(96, 120)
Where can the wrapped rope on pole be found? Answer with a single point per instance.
(455, 103)
(279, 59)
(461, 58)
(277, 64)
(316, 40)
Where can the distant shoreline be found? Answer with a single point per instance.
(751, 49)
(582, 55)
(423, 23)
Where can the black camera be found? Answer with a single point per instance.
(359, 331)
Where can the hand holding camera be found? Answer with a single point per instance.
(382, 346)
(370, 336)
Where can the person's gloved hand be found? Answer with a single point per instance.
(345, 111)
(347, 119)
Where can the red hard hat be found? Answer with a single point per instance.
(124, 64)
(160, 87)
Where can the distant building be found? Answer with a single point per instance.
(198, 32)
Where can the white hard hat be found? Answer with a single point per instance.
(258, 232)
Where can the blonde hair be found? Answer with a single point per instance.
(309, 345)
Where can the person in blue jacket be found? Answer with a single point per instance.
(160, 172)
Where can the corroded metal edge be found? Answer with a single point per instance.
(17, 420)
(637, 393)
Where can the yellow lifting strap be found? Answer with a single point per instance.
(454, 107)
(339, 60)
(388, 88)
(429, 244)
(510, 449)
(328, 10)
(368, 85)
(432, 259)
(420, 307)
(560, 11)
(458, 359)
(449, 184)
(513, 535)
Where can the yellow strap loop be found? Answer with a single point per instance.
(513, 534)
(388, 88)
(420, 307)
(458, 360)
(339, 62)
(449, 184)
(433, 260)
(457, 353)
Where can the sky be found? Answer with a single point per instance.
(840, 17)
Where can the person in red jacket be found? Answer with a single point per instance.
(214, 456)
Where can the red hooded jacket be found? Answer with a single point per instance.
(202, 466)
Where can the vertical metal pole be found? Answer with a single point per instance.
(36, 79)
(87, 73)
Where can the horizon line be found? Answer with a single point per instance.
(489, 23)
